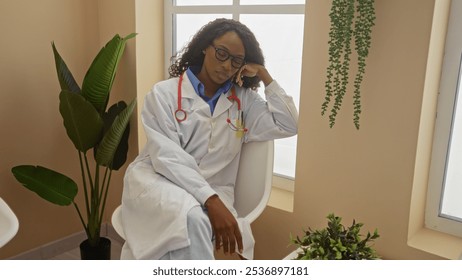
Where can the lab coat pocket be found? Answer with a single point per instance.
(234, 138)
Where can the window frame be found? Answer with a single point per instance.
(170, 10)
(446, 104)
(236, 9)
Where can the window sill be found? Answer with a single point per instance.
(281, 199)
(438, 243)
(282, 193)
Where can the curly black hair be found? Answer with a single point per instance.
(192, 54)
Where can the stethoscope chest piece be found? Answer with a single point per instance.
(180, 115)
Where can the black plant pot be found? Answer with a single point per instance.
(100, 252)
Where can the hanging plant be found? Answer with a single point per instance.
(349, 19)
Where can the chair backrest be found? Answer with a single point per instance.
(254, 179)
(253, 184)
(9, 223)
(116, 221)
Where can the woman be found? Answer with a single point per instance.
(178, 194)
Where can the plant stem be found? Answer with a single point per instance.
(335, 49)
(93, 225)
(105, 193)
(81, 218)
(344, 24)
(85, 188)
(90, 180)
(103, 184)
(341, 15)
(363, 26)
(96, 193)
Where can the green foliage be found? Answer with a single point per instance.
(49, 184)
(335, 242)
(82, 122)
(88, 126)
(99, 78)
(349, 19)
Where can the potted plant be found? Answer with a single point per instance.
(93, 130)
(350, 19)
(335, 242)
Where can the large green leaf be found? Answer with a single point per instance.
(66, 80)
(97, 84)
(83, 124)
(120, 156)
(112, 138)
(48, 184)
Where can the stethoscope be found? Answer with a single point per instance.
(238, 126)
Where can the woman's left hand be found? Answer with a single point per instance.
(224, 226)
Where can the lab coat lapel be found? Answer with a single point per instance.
(223, 104)
(188, 92)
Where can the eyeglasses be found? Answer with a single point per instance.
(223, 55)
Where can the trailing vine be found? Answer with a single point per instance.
(349, 18)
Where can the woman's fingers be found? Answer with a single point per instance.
(253, 70)
(229, 242)
(218, 242)
(240, 244)
(224, 226)
(225, 245)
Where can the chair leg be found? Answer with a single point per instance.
(241, 257)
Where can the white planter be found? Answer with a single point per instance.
(292, 255)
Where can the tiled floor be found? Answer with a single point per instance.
(68, 247)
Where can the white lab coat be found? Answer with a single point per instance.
(184, 163)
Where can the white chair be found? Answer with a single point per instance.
(253, 184)
(8, 223)
(254, 179)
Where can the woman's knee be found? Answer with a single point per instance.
(198, 221)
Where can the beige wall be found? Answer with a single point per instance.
(367, 174)
(31, 124)
(29, 117)
(149, 51)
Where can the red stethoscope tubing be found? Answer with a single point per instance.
(180, 114)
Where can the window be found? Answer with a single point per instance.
(268, 19)
(444, 199)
